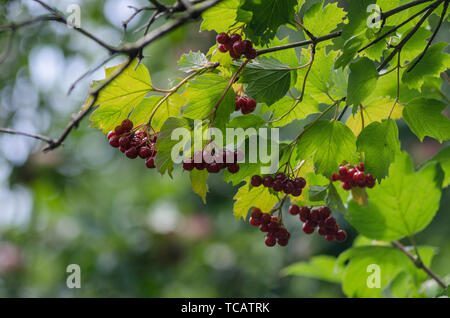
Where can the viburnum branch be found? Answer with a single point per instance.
(381, 37)
(48, 140)
(419, 264)
(408, 36)
(444, 11)
(401, 8)
(397, 97)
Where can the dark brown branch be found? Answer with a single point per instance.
(401, 8)
(395, 28)
(444, 11)
(48, 140)
(301, 43)
(419, 264)
(408, 36)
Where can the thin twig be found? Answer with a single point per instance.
(48, 140)
(419, 264)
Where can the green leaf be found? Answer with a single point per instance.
(329, 143)
(192, 61)
(373, 110)
(362, 80)
(220, 17)
(248, 197)
(317, 193)
(320, 20)
(279, 109)
(443, 157)
(202, 95)
(333, 199)
(198, 182)
(267, 79)
(361, 263)
(320, 267)
(396, 205)
(286, 57)
(268, 16)
(166, 144)
(119, 97)
(433, 63)
(247, 121)
(357, 18)
(424, 117)
(379, 142)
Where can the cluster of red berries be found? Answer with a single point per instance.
(353, 177)
(235, 46)
(245, 105)
(321, 218)
(280, 182)
(276, 232)
(134, 144)
(214, 161)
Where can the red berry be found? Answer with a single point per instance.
(322, 231)
(222, 38)
(145, 152)
(248, 46)
(131, 153)
(305, 213)
(296, 192)
(335, 177)
(264, 226)
(252, 54)
(234, 55)
(266, 218)
(235, 37)
(254, 222)
(212, 167)
(325, 212)
(223, 48)
(315, 216)
(277, 185)
(280, 176)
(330, 238)
(114, 141)
(119, 130)
(241, 101)
(188, 165)
(294, 209)
(308, 228)
(199, 165)
(233, 167)
(110, 134)
(256, 181)
(300, 182)
(256, 213)
(343, 171)
(330, 222)
(127, 125)
(251, 104)
(283, 241)
(153, 138)
(268, 181)
(283, 233)
(361, 166)
(359, 176)
(124, 142)
(346, 185)
(150, 163)
(289, 187)
(239, 47)
(270, 240)
(341, 236)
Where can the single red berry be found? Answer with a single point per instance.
(330, 238)
(282, 241)
(308, 228)
(305, 213)
(150, 163)
(239, 47)
(252, 54)
(359, 177)
(266, 218)
(235, 37)
(111, 133)
(251, 104)
(288, 187)
(346, 185)
(283, 233)
(131, 153)
(315, 216)
(145, 152)
(122, 149)
(268, 181)
(233, 167)
(212, 167)
(222, 38)
(322, 231)
(352, 171)
(254, 222)
(199, 165)
(343, 171)
(341, 236)
(294, 209)
(256, 213)
(223, 48)
(234, 55)
(248, 46)
(119, 130)
(124, 142)
(300, 182)
(330, 222)
(335, 177)
(241, 101)
(256, 181)
(277, 185)
(264, 227)
(127, 125)
(296, 192)
(325, 212)
(246, 110)
(188, 165)
(280, 176)
(270, 240)
(114, 141)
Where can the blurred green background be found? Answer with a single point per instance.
(133, 232)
